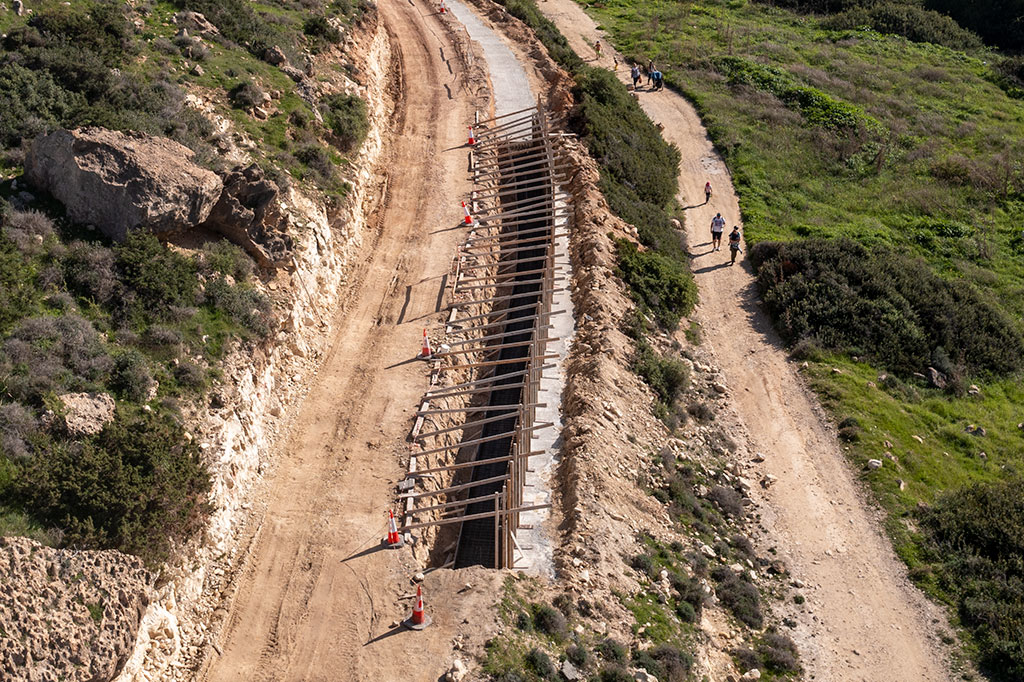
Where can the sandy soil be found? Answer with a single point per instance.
(318, 598)
(864, 620)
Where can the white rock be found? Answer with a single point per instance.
(752, 674)
(457, 672)
(874, 464)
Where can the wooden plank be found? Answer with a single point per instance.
(480, 408)
(487, 439)
(448, 505)
(497, 285)
(507, 361)
(508, 161)
(470, 517)
(532, 107)
(504, 189)
(452, 489)
(503, 250)
(510, 235)
(517, 169)
(501, 312)
(497, 324)
(484, 349)
(506, 263)
(496, 278)
(462, 427)
(500, 335)
(479, 462)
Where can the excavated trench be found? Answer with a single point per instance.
(479, 538)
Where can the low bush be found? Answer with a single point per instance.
(738, 595)
(246, 95)
(908, 20)
(614, 673)
(317, 26)
(611, 650)
(549, 620)
(138, 486)
(158, 276)
(667, 377)
(660, 283)
(728, 500)
(975, 541)
(883, 305)
(347, 118)
(540, 663)
(578, 656)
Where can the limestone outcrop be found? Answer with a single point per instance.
(67, 615)
(123, 181)
(249, 214)
(86, 414)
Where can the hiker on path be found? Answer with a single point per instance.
(717, 228)
(734, 243)
(597, 48)
(707, 192)
(650, 70)
(659, 80)
(635, 74)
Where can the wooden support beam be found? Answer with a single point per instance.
(504, 189)
(506, 361)
(452, 488)
(501, 323)
(479, 462)
(508, 161)
(532, 107)
(505, 236)
(470, 517)
(503, 250)
(519, 169)
(480, 408)
(487, 439)
(498, 285)
(488, 349)
(506, 263)
(502, 312)
(496, 277)
(462, 427)
(448, 505)
(500, 335)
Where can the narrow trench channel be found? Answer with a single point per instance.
(476, 543)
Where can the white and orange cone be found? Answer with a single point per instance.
(469, 217)
(394, 539)
(425, 352)
(443, 8)
(472, 140)
(418, 620)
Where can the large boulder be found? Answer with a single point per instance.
(123, 181)
(85, 414)
(249, 214)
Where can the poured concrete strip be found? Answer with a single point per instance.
(508, 78)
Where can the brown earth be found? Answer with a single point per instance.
(318, 599)
(864, 620)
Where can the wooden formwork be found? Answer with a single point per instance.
(514, 154)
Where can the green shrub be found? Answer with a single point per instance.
(611, 650)
(662, 284)
(131, 378)
(908, 20)
(17, 288)
(728, 500)
(883, 305)
(549, 620)
(246, 95)
(158, 276)
(614, 673)
(738, 595)
(976, 543)
(347, 119)
(578, 656)
(138, 486)
(317, 26)
(246, 306)
(540, 663)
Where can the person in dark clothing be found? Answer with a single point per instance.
(734, 243)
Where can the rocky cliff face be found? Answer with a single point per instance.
(122, 181)
(67, 615)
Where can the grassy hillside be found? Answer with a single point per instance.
(891, 172)
(145, 323)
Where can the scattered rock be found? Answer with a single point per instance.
(123, 181)
(641, 675)
(901, 484)
(195, 22)
(418, 578)
(296, 75)
(976, 430)
(457, 672)
(768, 481)
(19, 7)
(918, 438)
(87, 413)
(275, 56)
(835, 370)
(874, 464)
(936, 378)
(720, 388)
(973, 390)
(752, 674)
(569, 672)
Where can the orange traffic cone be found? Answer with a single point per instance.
(418, 620)
(425, 352)
(443, 8)
(394, 540)
(469, 218)
(472, 140)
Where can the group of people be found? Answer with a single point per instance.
(718, 227)
(655, 79)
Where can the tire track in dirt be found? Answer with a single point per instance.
(864, 620)
(302, 612)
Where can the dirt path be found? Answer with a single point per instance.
(864, 621)
(314, 601)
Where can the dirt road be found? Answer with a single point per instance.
(314, 602)
(864, 620)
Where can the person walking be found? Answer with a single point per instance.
(650, 70)
(734, 243)
(707, 192)
(659, 80)
(717, 228)
(635, 74)
(597, 48)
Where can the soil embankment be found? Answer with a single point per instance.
(862, 619)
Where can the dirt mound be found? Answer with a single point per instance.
(67, 615)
